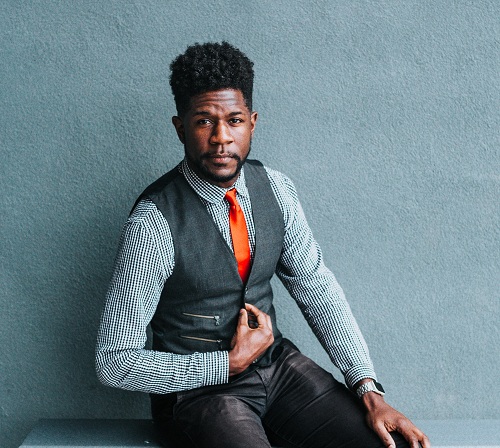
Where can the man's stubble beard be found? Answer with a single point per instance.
(214, 177)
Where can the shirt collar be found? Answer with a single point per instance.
(210, 192)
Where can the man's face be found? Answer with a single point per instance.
(216, 132)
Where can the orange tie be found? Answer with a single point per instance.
(239, 235)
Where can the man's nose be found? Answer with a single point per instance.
(221, 134)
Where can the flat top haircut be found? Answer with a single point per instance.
(208, 67)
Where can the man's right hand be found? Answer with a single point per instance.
(249, 343)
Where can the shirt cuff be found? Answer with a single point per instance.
(216, 369)
(358, 373)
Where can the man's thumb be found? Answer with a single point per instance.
(243, 319)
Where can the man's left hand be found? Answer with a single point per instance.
(384, 419)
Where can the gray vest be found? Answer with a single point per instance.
(200, 302)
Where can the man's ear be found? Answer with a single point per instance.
(253, 121)
(179, 127)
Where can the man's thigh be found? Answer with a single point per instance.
(220, 421)
(226, 415)
(307, 407)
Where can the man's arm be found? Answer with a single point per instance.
(143, 263)
(319, 296)
(322, 302)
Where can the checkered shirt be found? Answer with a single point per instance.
(145, 260)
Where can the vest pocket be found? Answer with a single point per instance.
(201, 316)
(195, 338)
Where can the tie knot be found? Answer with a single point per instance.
(231, 197)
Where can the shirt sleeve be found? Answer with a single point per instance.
(144, 261)
(315, 289)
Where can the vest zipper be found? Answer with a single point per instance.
(218, 341)
(216, 318)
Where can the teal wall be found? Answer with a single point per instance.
(384, 113)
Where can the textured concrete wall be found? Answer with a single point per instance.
(384, 113)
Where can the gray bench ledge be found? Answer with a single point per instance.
(461, 433)
(82, 433)
(76, 433)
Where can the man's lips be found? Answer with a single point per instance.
(220, 158)
(223, 155)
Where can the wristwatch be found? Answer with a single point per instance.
(370, 386)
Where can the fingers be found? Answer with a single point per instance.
(253, 336)
(253, 309)
(414, 436)
(263, 319)
(383, 419)
(425, 442)
(384, 435)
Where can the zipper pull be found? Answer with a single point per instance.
(217, 320)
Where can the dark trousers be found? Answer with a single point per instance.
(292, 403)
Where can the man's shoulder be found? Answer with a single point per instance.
(158, 186)
(280, 181)
(272, 174)
(284, 191)
(144, 212)
(160, 183)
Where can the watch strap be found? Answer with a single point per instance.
(370, 386)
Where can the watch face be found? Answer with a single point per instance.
(379, 387)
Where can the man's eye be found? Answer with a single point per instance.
(235, 120)
(203, 121)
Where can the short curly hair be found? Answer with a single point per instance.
(208, 67)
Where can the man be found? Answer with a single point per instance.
(195, 261)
